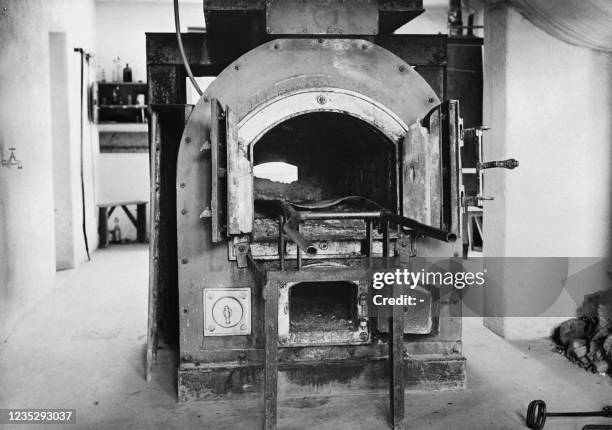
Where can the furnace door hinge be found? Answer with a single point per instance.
(475, 200)
(206, 213)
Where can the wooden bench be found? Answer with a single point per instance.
(105, 210)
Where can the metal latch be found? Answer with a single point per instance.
(475, 131)
(242, 251)
(475, 200)
(510, 163)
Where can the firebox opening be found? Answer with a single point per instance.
(322, 306)
(276, 171)
(336, 155)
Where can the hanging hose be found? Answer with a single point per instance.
(83, 55)
(179, 39)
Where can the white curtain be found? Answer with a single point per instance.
(585, 23)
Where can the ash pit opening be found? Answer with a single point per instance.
(322, 306)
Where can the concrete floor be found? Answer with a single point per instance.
(83, 348)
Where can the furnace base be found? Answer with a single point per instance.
(313, 378)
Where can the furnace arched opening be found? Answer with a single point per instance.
(336, 155)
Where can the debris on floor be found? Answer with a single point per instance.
(587, 340)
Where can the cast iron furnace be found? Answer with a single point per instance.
(275, 278)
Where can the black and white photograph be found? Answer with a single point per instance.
(306, 214)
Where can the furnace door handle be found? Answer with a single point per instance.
(510, 164)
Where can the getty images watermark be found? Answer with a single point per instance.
(458, 280)
(501, 286)
(411, 279)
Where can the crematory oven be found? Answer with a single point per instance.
(266, 278)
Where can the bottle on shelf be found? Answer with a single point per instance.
(114, 70)
(127, 73)
(118, 71)
(115, 233)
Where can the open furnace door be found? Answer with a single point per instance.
(218, 161)
(431, 167)
(229, 158)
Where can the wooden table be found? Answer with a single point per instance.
(105, 210)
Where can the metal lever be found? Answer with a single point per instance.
(291, 229)
(387, 217)
(510, 163)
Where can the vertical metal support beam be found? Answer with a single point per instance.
(281, 242)
(385, 232)
(154, 159)
(102, 227)
(396, 361)
(299, 251)
(141, 222)
(369, 228)
(271, 354)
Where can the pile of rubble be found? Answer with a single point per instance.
(587, 340)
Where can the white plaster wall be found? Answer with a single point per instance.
(60, 129)
(27, 238)
(433, 21)
(548, 104)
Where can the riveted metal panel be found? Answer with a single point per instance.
(345, 17)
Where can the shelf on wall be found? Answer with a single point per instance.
(121, 83)
(123, 127)
(107, 93)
